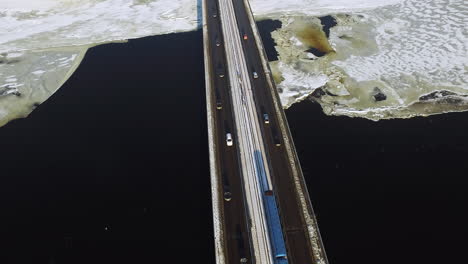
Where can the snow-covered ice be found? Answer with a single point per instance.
(27, 24)
(61, 31)
(404, 51)
(281, 8)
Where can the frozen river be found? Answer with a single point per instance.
(412, 53)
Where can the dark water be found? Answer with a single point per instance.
(386, 192)
(327, 23)
(113, 168)
(266, 27)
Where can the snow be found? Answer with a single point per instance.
(40, 24)
(275, 8)
(38, 72)
(297, 85)
(28, 4)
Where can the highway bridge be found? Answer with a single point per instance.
(261, 207)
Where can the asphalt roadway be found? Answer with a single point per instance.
(236, 241)
(294, 227)
(245, 99)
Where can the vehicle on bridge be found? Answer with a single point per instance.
(217, 41)
(228, 139)
(220, 70)
(276, 138)
(240, 244)
(227, 195)
(244, 35)
(264, 115)
(214, 11)
(266, 118)
(226, 188)
(219, 104)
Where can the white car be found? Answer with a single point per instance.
(229, 139)
(255, 75)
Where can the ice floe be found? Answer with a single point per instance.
(28, 78)
(405, 51)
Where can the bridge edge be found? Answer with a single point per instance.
(301, 188)
(217, 223)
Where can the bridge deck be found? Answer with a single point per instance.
(232, 40)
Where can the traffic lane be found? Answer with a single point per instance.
(278, 160)
(233, 209)
(261, 90)
(294, 220)
(255, 65)
(248, 73)
(228, 212)
(272, 121)
(237, 220)
(236, 60)
(246, 34)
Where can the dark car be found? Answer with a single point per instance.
(227, 196)
(220, 70)
(214, 12)
(217, 41)
(266, 118)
